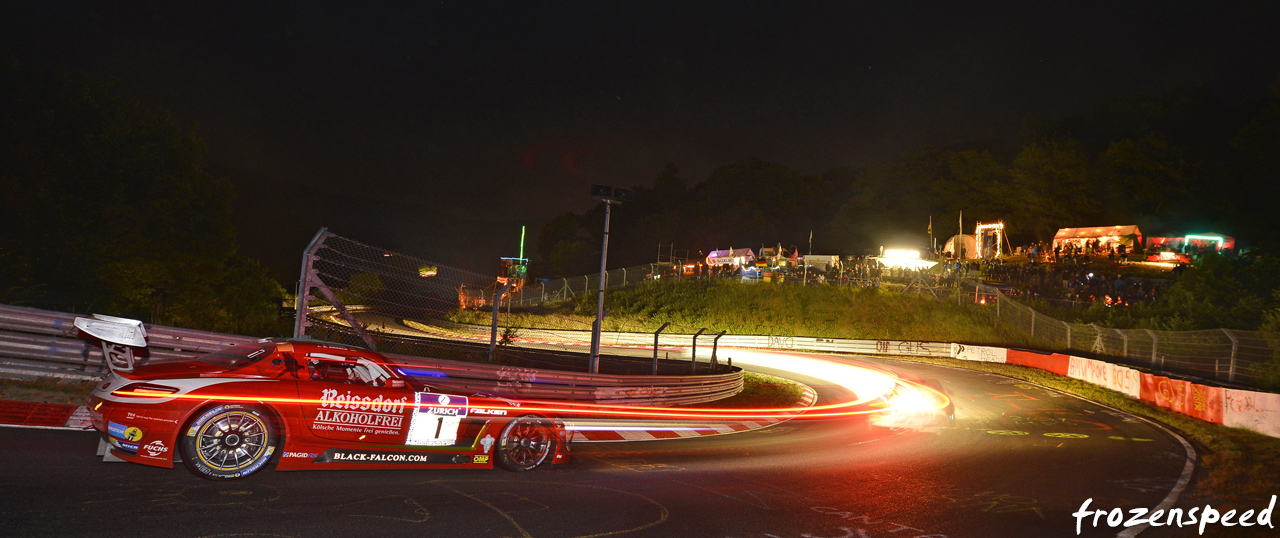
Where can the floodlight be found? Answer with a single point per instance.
(624, 195)
(901, 253)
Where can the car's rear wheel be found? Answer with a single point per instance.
(525, 443)
(228, 441)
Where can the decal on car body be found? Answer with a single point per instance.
(436, 418)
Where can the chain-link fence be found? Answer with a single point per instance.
(559, 289)
(1245, 357)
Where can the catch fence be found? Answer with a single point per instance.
(359, 294)
(1245, 357)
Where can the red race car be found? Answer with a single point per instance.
(309, 405)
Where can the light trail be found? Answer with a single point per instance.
(875, 392)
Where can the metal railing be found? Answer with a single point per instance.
(43, 344)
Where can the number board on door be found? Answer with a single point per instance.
(436, 418)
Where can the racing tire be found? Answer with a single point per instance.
(525, 443)
(228, 441)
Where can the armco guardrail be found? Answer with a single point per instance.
(800, 343)
(41, 343)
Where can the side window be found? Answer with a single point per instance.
(348, 370)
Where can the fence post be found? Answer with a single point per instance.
(1124, 338)
(693, 363)
(1235, 346)
(493, 329)
(1154, 341)
(655, 346)
(1033, 320)
(715, 344)
(624, 276)
(306, 282)
(1068, 334)
(998, 296)
(586, 284)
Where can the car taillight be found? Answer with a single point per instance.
(144, 390)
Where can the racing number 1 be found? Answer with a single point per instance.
(420, 431)
(446, 424)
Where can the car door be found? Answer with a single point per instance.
(351, 398)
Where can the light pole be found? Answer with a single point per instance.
(609, 196)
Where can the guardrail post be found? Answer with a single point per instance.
(655, 346)
(715, 345)
(1235, 346)
(493, 329)
(693, 363)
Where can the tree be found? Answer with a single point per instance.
(1259, 172)
(1146, 176)
(107, 209)
(1052, 187)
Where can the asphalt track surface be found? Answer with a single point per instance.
(1016, 461)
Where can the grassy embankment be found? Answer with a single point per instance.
(761, 391)
(822, 311)
(1238, 464)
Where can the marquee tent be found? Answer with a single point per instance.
(1115, 235)
(970, 244)
(733, 256)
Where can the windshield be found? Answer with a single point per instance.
(238, 356)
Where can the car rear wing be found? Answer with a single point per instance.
(118, 337)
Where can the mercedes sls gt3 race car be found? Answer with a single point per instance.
(309, 405)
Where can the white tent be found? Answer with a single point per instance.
(969, 242)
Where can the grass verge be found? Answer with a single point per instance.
(761, 391)
(46, 391)
(1240, 464)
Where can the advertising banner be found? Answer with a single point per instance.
(967, 352)
(1124, 380)
(1206, 403)
(1258, 411)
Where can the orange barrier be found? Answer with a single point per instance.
(1051, 362)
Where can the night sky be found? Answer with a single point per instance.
(438, 129)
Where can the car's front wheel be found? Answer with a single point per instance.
(525, 443)
(228, 441)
